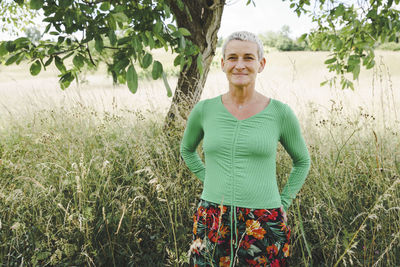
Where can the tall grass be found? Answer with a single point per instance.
(83, 186)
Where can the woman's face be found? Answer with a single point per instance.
(241, 63)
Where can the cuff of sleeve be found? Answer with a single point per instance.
(201, 174)
(286, 204)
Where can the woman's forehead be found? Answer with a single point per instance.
(241, 47)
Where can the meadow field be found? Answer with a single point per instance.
(88, 178)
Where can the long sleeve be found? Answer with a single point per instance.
(191, 139)
(293, 141)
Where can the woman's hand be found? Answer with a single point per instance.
(284, 215)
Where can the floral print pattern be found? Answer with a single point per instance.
(262, 237)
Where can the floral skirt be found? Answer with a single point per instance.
(261, 237)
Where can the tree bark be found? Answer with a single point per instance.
(203, 22)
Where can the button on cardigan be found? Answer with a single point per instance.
(240, 155)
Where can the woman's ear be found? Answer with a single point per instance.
(262, 64)
(222, 64)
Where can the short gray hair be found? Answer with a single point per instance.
(245, 36)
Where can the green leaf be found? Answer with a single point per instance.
(182, 42)
(177, 60)
(48, 62)
(132, 79)
(329, 61)
(120, 17)
(302, 37)
(12, 59)
(166, 84)
(157, 70)
(121, 65)
(323, 83)
(35, 68)
(172, 27)
(66, 80)
(3, 49)
(184, 32)
(47, 28)
(124, 40)
(10, 46)
(78, 61)
(356, 71)
(150, 39)
(137, 45)
(158, 27)
(200, 64)
(112, 37)
(99, 45)
(36, 4)
(180, 4)
(60, 64)
(147, 59)
(105, 6)
(370, 64)
(111, 22)
(339, 11)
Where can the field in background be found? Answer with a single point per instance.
(292, 77)
(88, 178)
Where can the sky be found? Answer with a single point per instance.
(267, 15)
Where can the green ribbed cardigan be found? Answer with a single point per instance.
(240, 155)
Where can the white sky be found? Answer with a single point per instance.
(267, 15)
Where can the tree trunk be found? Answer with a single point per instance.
(203, 22)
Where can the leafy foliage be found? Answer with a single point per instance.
(351, 31)
(119, 33)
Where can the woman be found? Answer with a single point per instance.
(241, 217)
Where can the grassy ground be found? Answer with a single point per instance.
(88, 178)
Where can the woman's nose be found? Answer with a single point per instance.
(239, 64)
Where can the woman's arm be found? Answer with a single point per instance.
(293, 141)
(191, 139)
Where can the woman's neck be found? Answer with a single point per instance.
(241, 96)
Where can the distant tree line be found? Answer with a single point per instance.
(281, 41)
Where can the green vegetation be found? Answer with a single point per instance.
(281, 40)
(79, 187)
(85, 180)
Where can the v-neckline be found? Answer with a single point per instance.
(262, 111)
